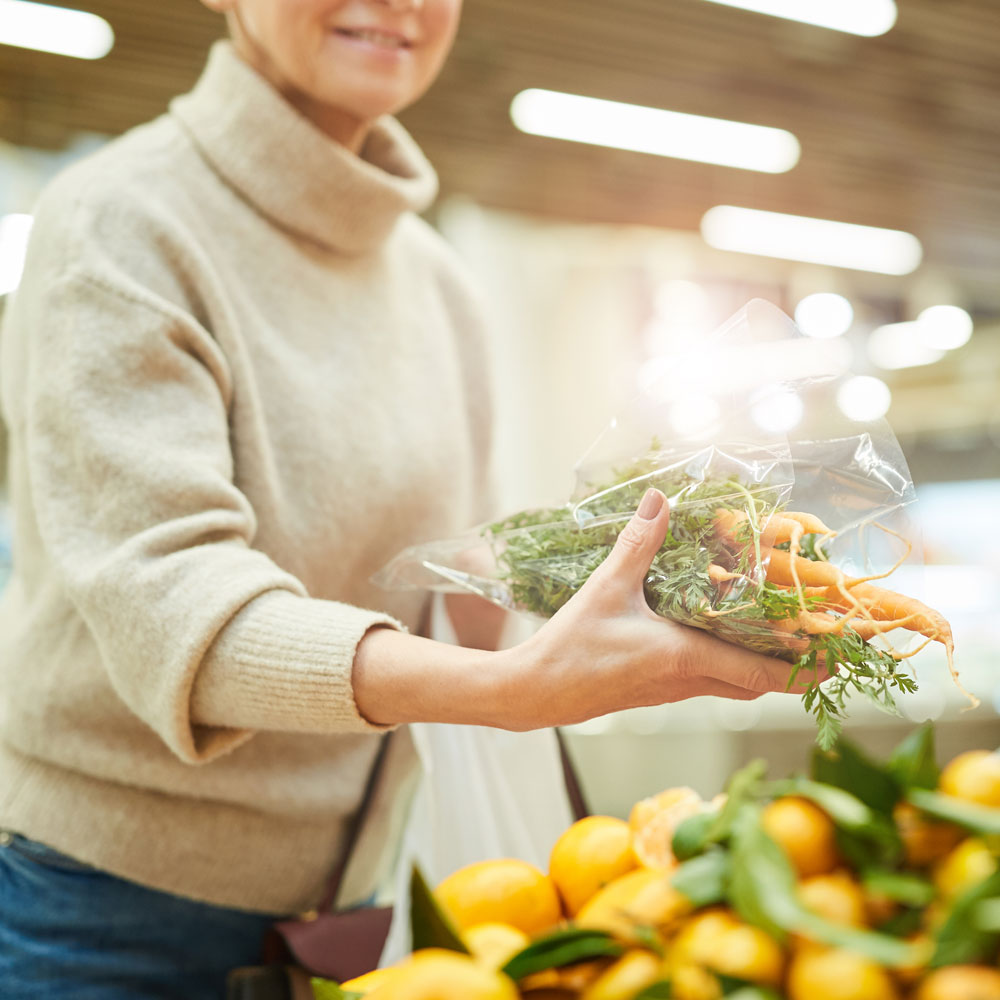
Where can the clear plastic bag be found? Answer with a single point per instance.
(776, 543)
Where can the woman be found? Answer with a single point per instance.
(239, 375)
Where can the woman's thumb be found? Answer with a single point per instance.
(640, 539)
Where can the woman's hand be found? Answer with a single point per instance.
(605, 650)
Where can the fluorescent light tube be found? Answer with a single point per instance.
(59, 30)
(817, 241)
(653, 130)
(14, 232)
(900, 345)
(856, 17)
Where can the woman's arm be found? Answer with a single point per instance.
(604, 651)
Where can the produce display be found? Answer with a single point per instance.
(866, 880)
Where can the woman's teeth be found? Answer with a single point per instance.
(376, 37)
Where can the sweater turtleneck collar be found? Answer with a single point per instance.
(294, 173)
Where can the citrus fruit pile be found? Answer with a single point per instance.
(864, 881)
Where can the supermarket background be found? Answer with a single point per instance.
(593, 258)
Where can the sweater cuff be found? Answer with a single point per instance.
(284, 663)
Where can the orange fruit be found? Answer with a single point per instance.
(672, 798)
(804, 832)
(968, 864)
(717, 939)
(368, 982)
(692, 982)
(837, 896)
(654, 821)
(494, 944)
(925, 840)
(834, 974)
(974, 776)
(504, 890)
(960, 982)
(437, 974)
(634, 971)
(591, 853)
(641, 897)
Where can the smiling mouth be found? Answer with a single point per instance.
(375, 37)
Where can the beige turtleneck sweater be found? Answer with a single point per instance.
(239, 375)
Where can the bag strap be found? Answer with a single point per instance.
(574, 791)
(355, 826)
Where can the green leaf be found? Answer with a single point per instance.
(744, 787)
(762, 881)
(902, 887)
(429, 925)
(986, 915)
(961, 938)
(971, 815)
(752, 993)
(913, 763)
(882, 948)
(704, 879)
(692, 835)
(563, 947)
(846, 767)
(659, 990)
(327, 989)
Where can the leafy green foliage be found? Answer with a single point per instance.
(901, 887)
(562, 947)
(327, 989)
(546, 556)
(429, 925)
(848, 767)
(970, 815)
(964, 936)
(913, 763)
(704, 879)
(659, 990)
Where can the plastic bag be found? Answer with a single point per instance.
(775, 543)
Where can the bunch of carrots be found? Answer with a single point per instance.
(828, 599)
(737, 564)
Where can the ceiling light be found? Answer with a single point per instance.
(54, 29)
(864, 398)
(653, 130)
(857, 17)
(694, 414)
(944, 328)
(824, 315)
(818, 241)
(14, 230)
(900, 345)
(777, 410)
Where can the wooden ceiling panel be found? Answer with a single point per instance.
(900, 131)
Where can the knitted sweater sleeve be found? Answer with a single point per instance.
(121, 409)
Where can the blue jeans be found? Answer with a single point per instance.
(72, 932)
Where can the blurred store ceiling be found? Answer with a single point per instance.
(899, 131)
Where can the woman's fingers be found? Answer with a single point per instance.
(637, 543)
(713, 658)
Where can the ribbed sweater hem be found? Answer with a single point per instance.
(270, 864)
